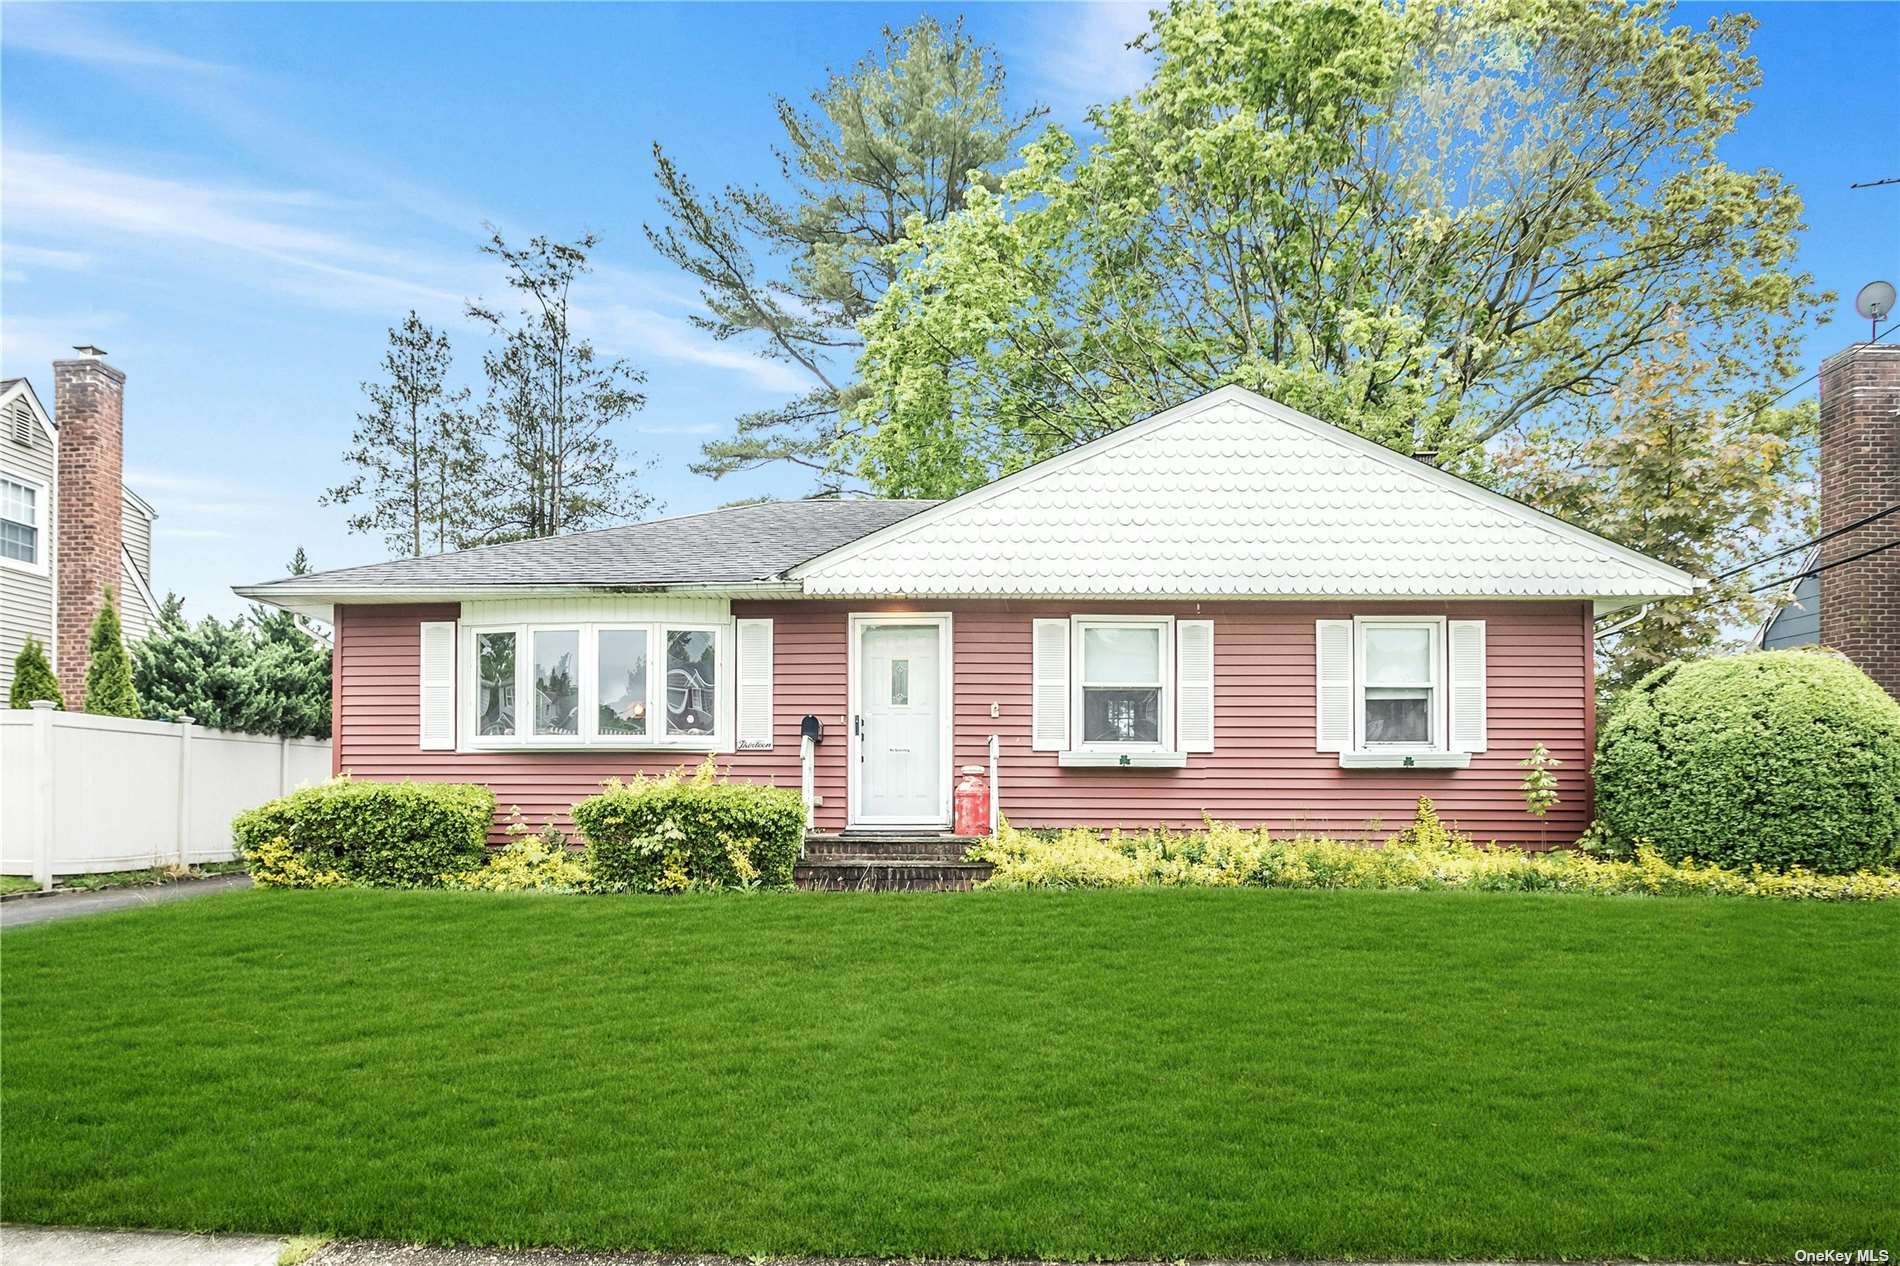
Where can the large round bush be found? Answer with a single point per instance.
(1780, 758)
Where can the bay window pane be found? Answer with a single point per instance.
(623, 682)
(690, 682)
(557, 683)
(1121, 716)
(1398, 655)
(1120, 654)
(495, 673)
(1398, 715)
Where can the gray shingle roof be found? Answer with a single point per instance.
(729, 546)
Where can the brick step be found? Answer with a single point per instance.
(887, 848)
(857, 874)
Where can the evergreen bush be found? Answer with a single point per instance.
(109, 688)
(33, 678)
(377, 834)
(673, 833)
(1775, 759)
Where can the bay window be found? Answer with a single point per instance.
(595, 685)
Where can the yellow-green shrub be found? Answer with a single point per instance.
(275, 864)
(378, 834)
(1227, 856)
(537, 861)
(677, 832)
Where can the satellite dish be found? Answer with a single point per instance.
(1875, 301)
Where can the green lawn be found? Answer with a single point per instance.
(1161, 1073)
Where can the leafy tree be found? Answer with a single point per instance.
(554, 404)
(33, 678)
(1683, 480)
(1436, 226)
(897, 140)
(416, 449)
(109, 689)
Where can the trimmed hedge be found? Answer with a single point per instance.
(378, 834)
(673, 833)
(1775, 759)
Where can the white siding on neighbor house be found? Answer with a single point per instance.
(26, 598)
(136, 611)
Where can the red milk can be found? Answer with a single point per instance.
(972, 803)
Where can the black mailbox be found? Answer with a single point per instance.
(812, 728)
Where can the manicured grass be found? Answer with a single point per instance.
(1151, 1073)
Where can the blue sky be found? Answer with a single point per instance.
(238, 200)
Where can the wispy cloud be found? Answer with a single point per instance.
(1077, 55)
(641, 334)
(58, 31)
(51, 194)
(31, 342)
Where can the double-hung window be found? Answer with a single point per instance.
(22, 523)
(596, 685)
(1400, 690)
(1400, 699)
(1123, 701)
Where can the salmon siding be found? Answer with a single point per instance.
(1264, 769)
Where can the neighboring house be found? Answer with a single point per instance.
(68, 524)
(1851, 602)
(1798, 621)
(1229, 609)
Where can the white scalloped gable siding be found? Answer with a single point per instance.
(1233, 496)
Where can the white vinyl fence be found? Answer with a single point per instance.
(81, 794)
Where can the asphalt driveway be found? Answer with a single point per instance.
(70, 905)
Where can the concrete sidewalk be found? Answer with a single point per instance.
(68, 905)
(69, 1246)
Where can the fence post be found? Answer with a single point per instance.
(44, 792)
(996, 789)
(184, 785)
(283, 764)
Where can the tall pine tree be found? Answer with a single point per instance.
(897, 140)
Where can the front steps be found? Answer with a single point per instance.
(880, 862)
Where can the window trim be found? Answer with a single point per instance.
(42, 539)
(1440, 739)
(656, 739)
(1079, 684)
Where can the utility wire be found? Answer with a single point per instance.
(1819, 540)
(1839, 562)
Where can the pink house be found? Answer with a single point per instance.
(1229, 609)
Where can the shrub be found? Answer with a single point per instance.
(1776, 759)
(677, 832)
(537, 861)
(1227, 856)
(380, 834)
(33, 678)
(109, 689)
(275, 864)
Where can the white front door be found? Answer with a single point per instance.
(902, 770)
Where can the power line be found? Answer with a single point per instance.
(1875, 184)
(1815, 571)
(1822, 539)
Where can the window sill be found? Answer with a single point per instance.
(709, 747)
(1122, 760)
(1404, 760)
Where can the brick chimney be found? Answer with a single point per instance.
(89, 406)
(1860, 476)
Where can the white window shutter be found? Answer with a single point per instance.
(755, 685)
(1332, 643)
(1194, 685)
(1049, 724)
(438, 686)
(1467, 685)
